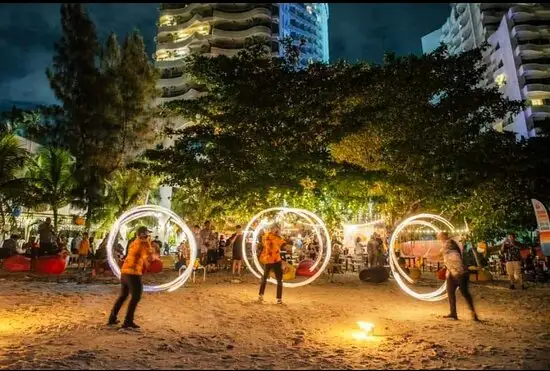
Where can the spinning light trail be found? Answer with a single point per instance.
(398, 272)
(313, 220)
(156, 212)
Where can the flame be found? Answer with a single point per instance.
(367, 327)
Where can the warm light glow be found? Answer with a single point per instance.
(312, 219)
(537, 102)
(360, 335)
(500, 80)
(159, 213)
(367, 327)
(167, 20)
(398, 273)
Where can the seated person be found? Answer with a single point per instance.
(9, 247)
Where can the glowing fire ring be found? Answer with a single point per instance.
(154, 211)
(316, 223)
(398, 272)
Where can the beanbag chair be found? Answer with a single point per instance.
(441, 274)
(17, 263)
(304, 268)
(52, 265)
(415, 273)
(374, 274)
(289, 272)
(155, 267)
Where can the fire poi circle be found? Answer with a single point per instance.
(398, 273)
(156, 212)
(313, 220)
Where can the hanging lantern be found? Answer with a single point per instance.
(79, 220)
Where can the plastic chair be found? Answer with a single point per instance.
(200, 267)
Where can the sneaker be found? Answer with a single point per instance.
(451, 316)
(113, 321)
(260, 299)
(512, 287)
(130, 325)
(280, 301)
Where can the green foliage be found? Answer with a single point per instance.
(123, 190)
(105, 93)
(51, 175)
(415, 132)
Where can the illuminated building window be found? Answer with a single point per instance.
(500, 80)
(167, 20)
(200, 28)
(537, 102)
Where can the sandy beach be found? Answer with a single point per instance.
(218, 325)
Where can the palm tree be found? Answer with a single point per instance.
(51, 174)
(124, 190)
(12, 160)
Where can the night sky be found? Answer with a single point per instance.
(357, 31)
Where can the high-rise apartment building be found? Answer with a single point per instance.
(225, 29)
(518, 56)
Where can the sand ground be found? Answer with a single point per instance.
(218, 325)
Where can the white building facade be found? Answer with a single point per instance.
(518, 57)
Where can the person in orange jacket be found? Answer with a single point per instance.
(136, 262)
(271, 258)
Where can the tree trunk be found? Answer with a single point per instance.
(55, 217)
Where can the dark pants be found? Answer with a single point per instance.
(278, 269)
(461, 282)
(131, 284)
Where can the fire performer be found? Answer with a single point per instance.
(138, 258)
(271, 258)
(457, 275)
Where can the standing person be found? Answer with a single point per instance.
(237, 251)
(221, 252)
(271, 258)
(9, 246)
(207, 241)
(511, 249)
(46, 233)
(137, 259)
(83, 251)
(372, 251)
(30, 246)
(457, 275)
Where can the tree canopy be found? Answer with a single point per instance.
(106, 93)
(415, 132)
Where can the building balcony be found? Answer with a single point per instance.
(529, 69)
(535, 89)
(538, 111)
(182, 26)
(196, 38)
(253, 31)
(185, 9)
(529, 50)
(244, 16)
(524, 29)
(189, 94)
(521, 12)
(179, 81)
